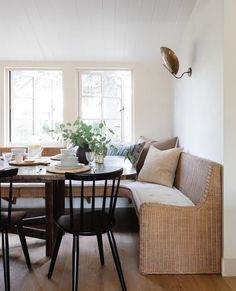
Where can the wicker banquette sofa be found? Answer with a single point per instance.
(175, 236)
(180, 227)
(180, 238)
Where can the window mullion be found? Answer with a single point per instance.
(102, 114)
(33, 105)
(10, 106)
(122, 110)
(51, 113)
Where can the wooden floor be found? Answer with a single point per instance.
(93, 277)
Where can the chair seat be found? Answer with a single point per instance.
(91, 223)
(16, 216)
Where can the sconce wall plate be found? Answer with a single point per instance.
(171, 62)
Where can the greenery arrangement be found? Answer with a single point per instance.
(79, 133)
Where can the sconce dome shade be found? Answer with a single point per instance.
(170, 60)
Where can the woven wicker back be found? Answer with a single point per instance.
(193, 175)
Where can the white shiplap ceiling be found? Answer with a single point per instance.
(90, 30)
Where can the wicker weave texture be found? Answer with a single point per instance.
(182, 240)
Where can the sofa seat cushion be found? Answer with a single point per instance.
(154, 193)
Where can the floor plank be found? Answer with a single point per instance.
(93, 277)
(231, 281)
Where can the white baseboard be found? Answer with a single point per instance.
(228, 267)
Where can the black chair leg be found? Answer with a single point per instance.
(116, 259)
(5, 252)
(55, 252)
(75, 262)
(100, 247)
(24, 245)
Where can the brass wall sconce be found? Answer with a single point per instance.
(171, 62)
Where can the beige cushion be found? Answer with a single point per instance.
(160, 166)
(143, 192)
(161, 145)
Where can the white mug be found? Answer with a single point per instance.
(68, 161)
(67, 152)
(18, 151)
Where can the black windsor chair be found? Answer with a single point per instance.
(10, 219)
(93, 221)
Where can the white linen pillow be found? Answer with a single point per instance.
(160, 166)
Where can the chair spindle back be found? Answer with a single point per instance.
(6, 177)
(109, 181)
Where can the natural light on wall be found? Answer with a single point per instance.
(106, 95)
(35, 105)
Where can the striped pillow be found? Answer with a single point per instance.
(128, 150)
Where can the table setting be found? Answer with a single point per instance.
(68, 162)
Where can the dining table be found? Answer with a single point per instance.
(54, 184)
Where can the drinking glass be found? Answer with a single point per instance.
(90, 157)
(35, 151)
(7, 157)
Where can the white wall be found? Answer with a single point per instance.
(229, 258)
(198, 100)
(152, 114)
(153, 108)
(205, 104)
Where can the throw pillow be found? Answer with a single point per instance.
(131, 151)
(160, 166)
(117, 149)
(161, 145)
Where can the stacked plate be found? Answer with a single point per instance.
(74, 167)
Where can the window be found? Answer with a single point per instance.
(35, 105)
(106, 95)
